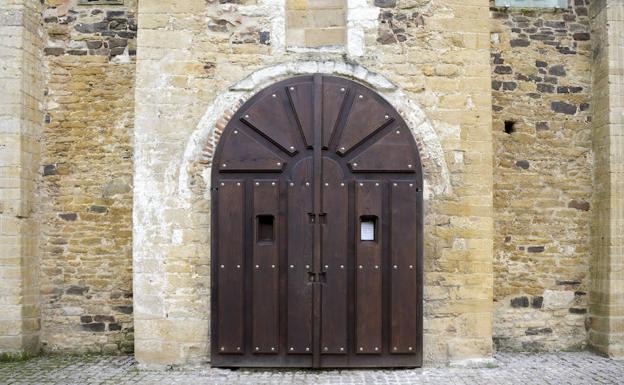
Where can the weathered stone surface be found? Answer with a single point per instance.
(437, 62)
(545, 165)
(87, 158)
(194, 52)
(606, 332)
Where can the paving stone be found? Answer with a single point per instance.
(510, 368)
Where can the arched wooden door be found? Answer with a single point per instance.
(317, 236)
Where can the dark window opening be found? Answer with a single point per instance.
(368, 228)
(265, 227)
(510, 127)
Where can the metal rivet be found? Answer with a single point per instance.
(292, 88)
(238, 183)
(272, 349)
(222, 348)
(395, 184)
(279, 163)
(409, 166)
(273, 184)
(354, 164)
(395, 266)
(307, 349)
(342, 184)
(238, 348)
(361, 96)
(342, 148)
(292, 349)
(238, 266)
(410, 348)
(342, 349)
(307, 183)
(411, 266)
(257, 183)
(361, 184)
(387, 116)
(395, 348)
(272, 266)
(257, 266)
(377, 184)
(398, 132)
(246, 116)
(222, 266)
(326, 184)
(235, 132)
(257, 348)
(307, 266)
(411, 185)
(326, 348)
(361, 266)
(342, 90)
(274, 95)
(342, 266)
(222, 184)
(361, 348)
(326, 266)
(224, 165)
(292, 184)
(376, 348)
(376, 267)
(292, 148)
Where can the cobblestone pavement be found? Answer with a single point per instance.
(561, 368)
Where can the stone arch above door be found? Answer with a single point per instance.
(200, 148)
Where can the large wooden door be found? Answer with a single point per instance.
(317, 231)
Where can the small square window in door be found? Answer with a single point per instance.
(368, 228)
(265, 228)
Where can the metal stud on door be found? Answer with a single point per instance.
(317, 231)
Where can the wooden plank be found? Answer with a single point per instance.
(269, 117)
(368, 115)
(394, 152)
(265, 278)
(300, 251)
(403, 267)
(241, 152)
(301, 97)
(230, 267)
(335, 241)
(334, 94)
(368, 285)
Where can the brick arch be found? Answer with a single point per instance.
(203, 142)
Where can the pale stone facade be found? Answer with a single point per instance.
(21, 77)
(541, 81)
(106, 205)
(606, 329)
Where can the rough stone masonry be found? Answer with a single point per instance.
(112, 111)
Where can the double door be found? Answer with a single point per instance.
(317, 231)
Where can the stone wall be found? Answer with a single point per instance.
(607, 288)
(86, 191)
(20, 131)
(191, 75)
(541, 83)
(316, 23)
